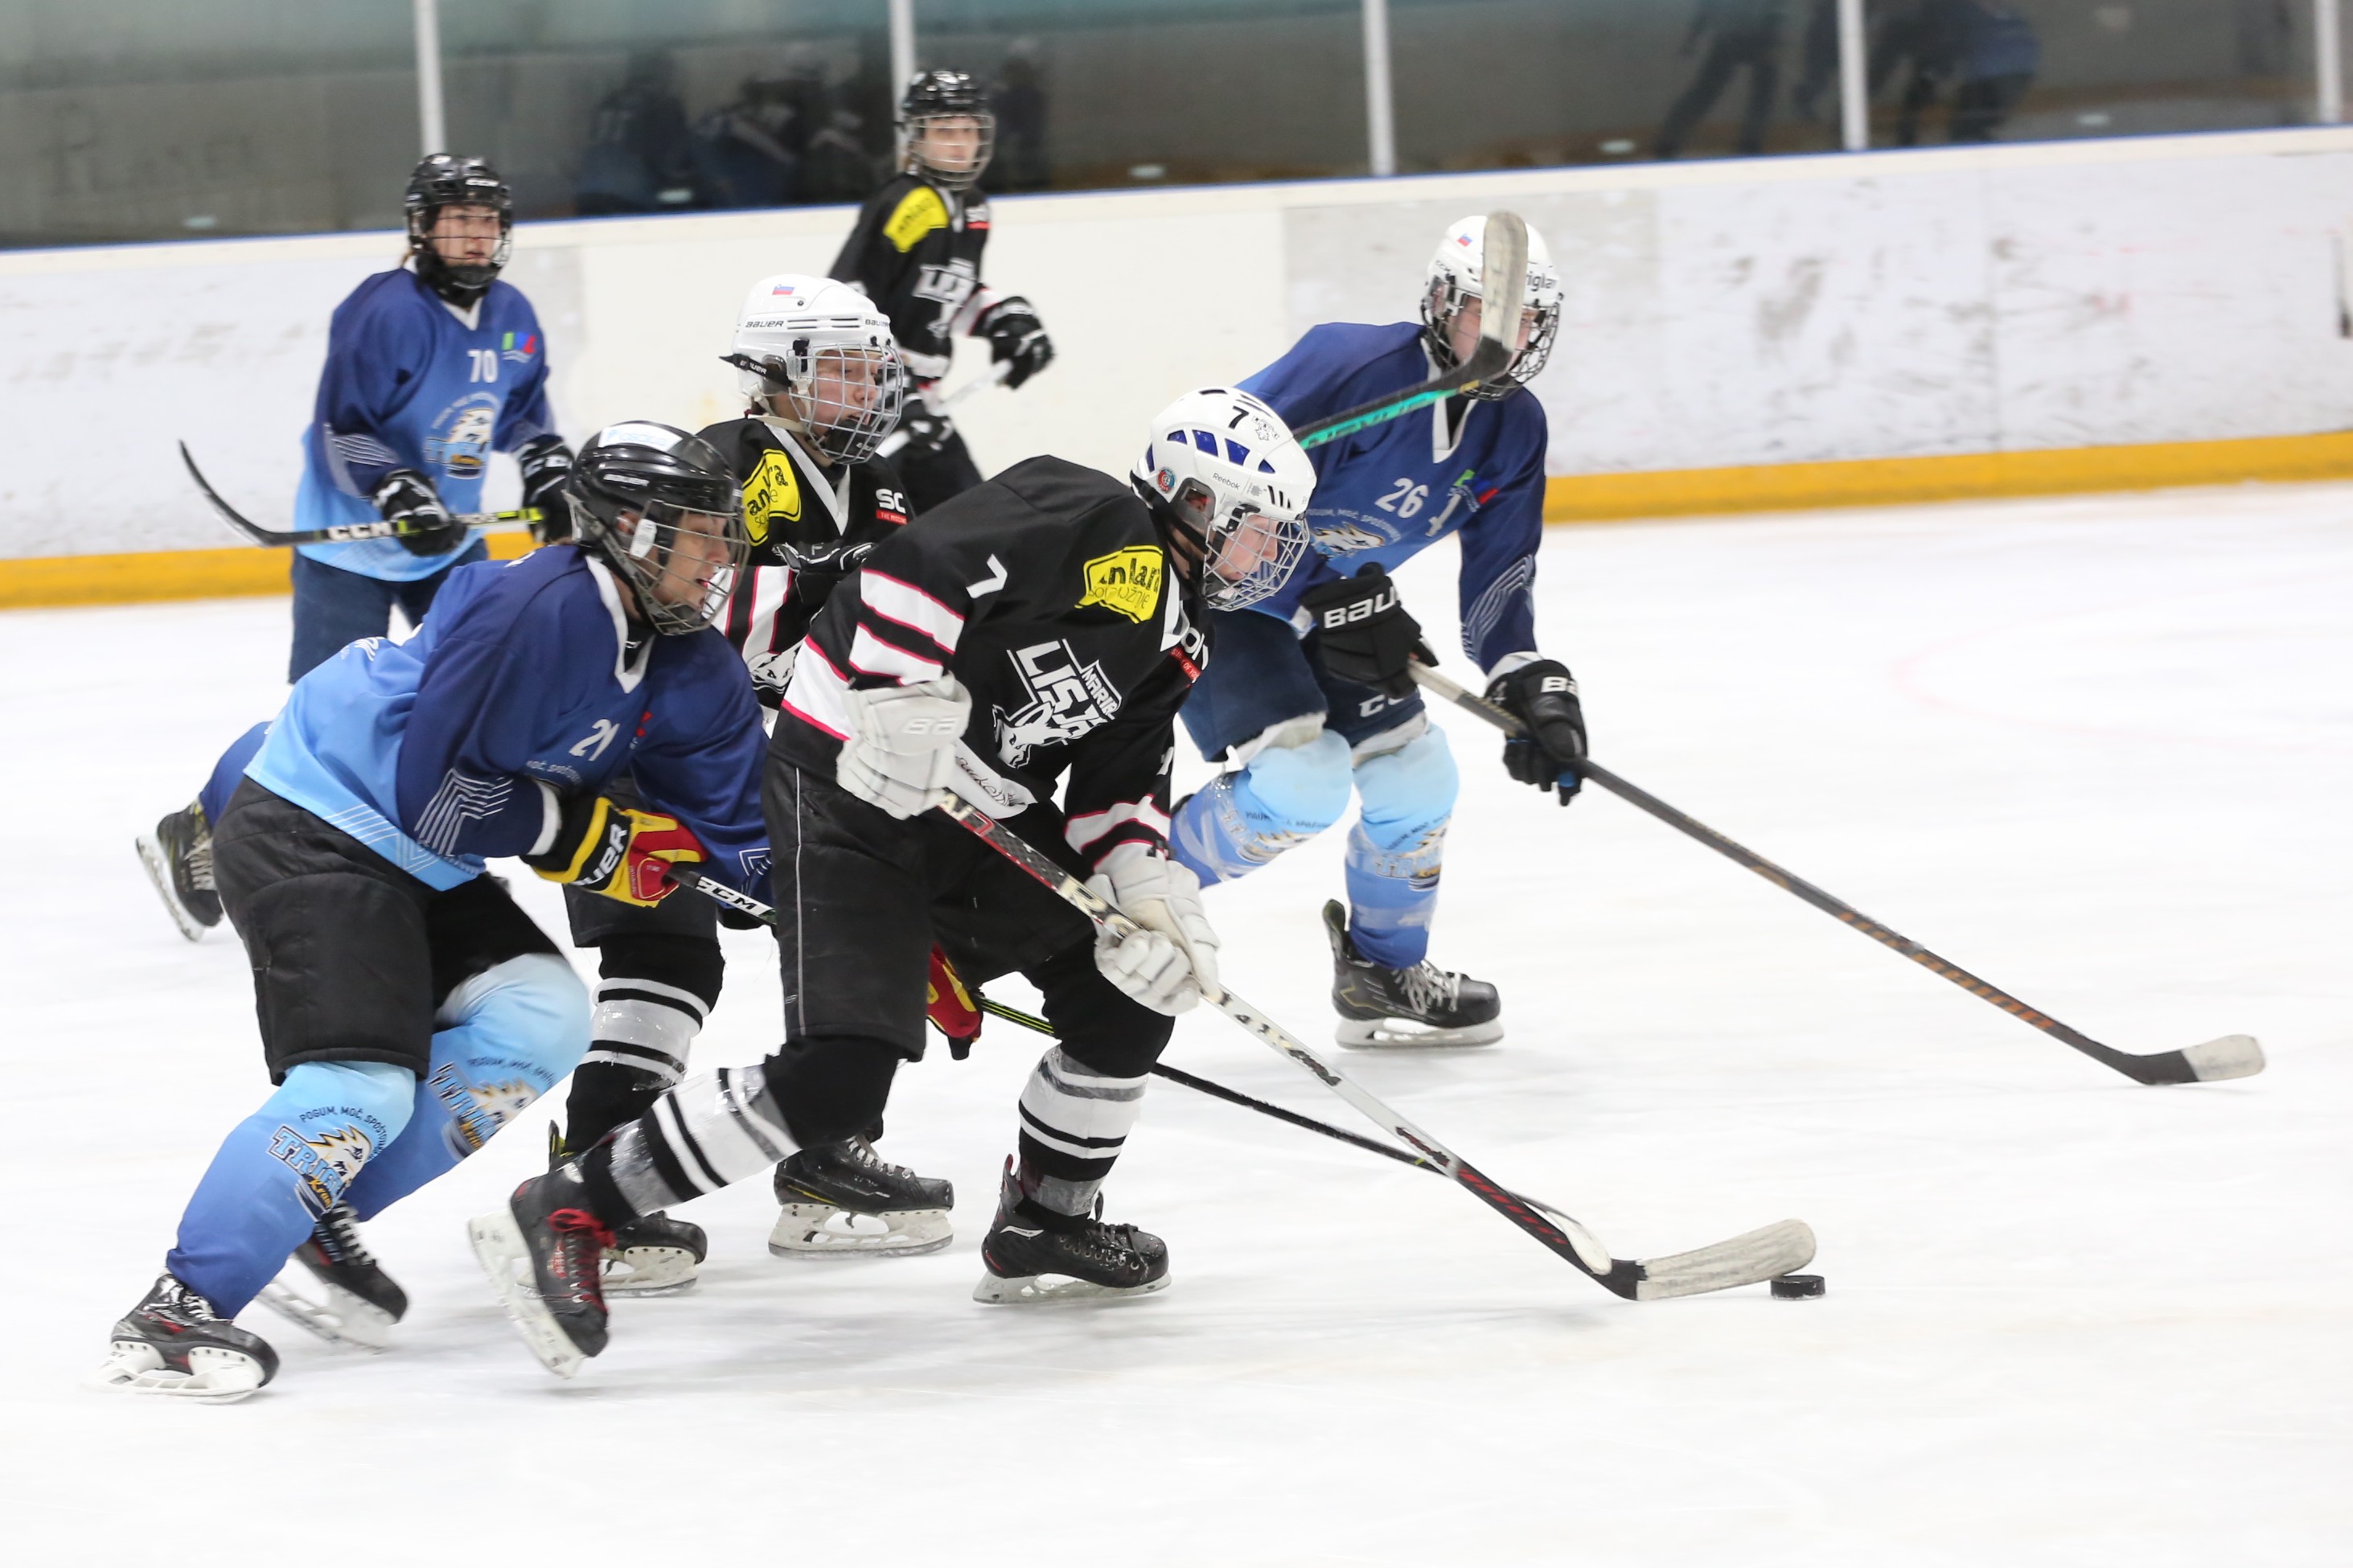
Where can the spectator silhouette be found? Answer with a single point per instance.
(1817, 59)
(1019, 98)
(742, 151)
(636, 141)
(1740, 33)
(1985, 48)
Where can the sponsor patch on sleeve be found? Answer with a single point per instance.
(772, 495)
(920, 212)
(1127, 581)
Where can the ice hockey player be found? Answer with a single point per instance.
(825, 384)
(1038, 630)
(430, 368)
(915, 250)
(408, 1008)
(1308, 696)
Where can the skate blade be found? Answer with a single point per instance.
(500, 1248)
(1401, 1034)
(1047, 1290)
(215, 1375)
(159, 871)
(343, 1319)
(647, 1272)
(821, 1230)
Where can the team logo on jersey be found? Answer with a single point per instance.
(1127, 581)
(520, 354)
(1067, 699)
(477, 1110)
(772, 495)
(323, 1166)
(951, 284)
(461, 445)
(1344, 537)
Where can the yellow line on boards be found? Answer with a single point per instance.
(239, 573)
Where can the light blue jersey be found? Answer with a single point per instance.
(409, 385)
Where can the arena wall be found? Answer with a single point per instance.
(1791, 332)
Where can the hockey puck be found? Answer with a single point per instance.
(1797, 1286)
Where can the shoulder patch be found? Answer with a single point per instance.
(1127, 581)
(772, 494)
(920, 212)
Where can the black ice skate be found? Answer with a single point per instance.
(179, 859)
(174, 1343)
(1423, 1006)
(1033, 1254)
(654, 1255)
(545, 1253)
(333, 1287)
(843, 1200)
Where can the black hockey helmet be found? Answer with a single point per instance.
(945, 95)
(442, 180)
(636, 489)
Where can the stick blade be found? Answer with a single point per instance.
(2226, 1057)
(1749, 1259)
(1503, 279)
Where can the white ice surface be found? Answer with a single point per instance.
(2097, 750)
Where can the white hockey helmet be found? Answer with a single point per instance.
(820, 354)
(1226, 467)
(1454, 275)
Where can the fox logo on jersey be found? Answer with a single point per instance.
(1065, 701)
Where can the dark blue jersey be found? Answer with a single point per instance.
(409, 383)
(523, 688)
(1389, 493)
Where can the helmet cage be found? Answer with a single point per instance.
(641, 542)
(914, 129)
(444, 181)
(635, 489)
(810, 368)
(1268, 546)
(1444, 300)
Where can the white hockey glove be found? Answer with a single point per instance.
(901, 747)
(1172, 963)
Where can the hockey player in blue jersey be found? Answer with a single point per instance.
(1307, 701)
(408, 1008)
(430, 368)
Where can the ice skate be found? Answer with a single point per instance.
(333, 1287)
(654, 1255)
(179, 856)
(543, 1252)
(842, 1200)
(1033, 1255)
(173, 1342)
(1422, 1005)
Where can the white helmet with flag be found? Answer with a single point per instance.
(1224, 470)
(1454, 274)
(819, 356)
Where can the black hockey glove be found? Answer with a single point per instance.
(1543, 696)
(920, 433)
(407, 497)
(546, 463)
(818, 568)
(1015, 333)
(1362, 634)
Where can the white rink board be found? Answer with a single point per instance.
(2099, 750)
(1787, 309)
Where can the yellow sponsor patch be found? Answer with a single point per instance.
(919, 213)
(772, 495)
(1127, 581)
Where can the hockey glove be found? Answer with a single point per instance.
(1543, 696)
(546, 464)
(599, 846)
(1015, 334)
(1172, 963)
(405, 497)
(901, 750)
(1362, 634)
(817, 569)
(951, 1007)
(920, 433)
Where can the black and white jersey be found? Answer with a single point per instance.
(1046, 591)
(791, 504)
(916, 252)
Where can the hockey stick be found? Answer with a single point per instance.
(344, 532)
(2225, 1056)
(1503, 291)
(1743, 1260)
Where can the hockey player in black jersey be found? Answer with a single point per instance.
(1034, 637)
(824, 382)
(915, 251)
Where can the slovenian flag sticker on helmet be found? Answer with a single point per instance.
(785, 289)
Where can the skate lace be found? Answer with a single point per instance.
(339, 1235)
(571, 1222)
(200, 863)
(862, 1152)
(1428, 988)
(186, 1305)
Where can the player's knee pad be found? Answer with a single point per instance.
(1408, 794)
(507, 1035)
(654, 997)
(1294, 791)
(829, 1088)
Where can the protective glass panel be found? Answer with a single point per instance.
(1103, 93)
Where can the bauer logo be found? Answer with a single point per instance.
(1127, 581)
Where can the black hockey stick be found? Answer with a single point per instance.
(1503, 287)
(344, 532)
(1743, 1260)
(2225, 1056)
